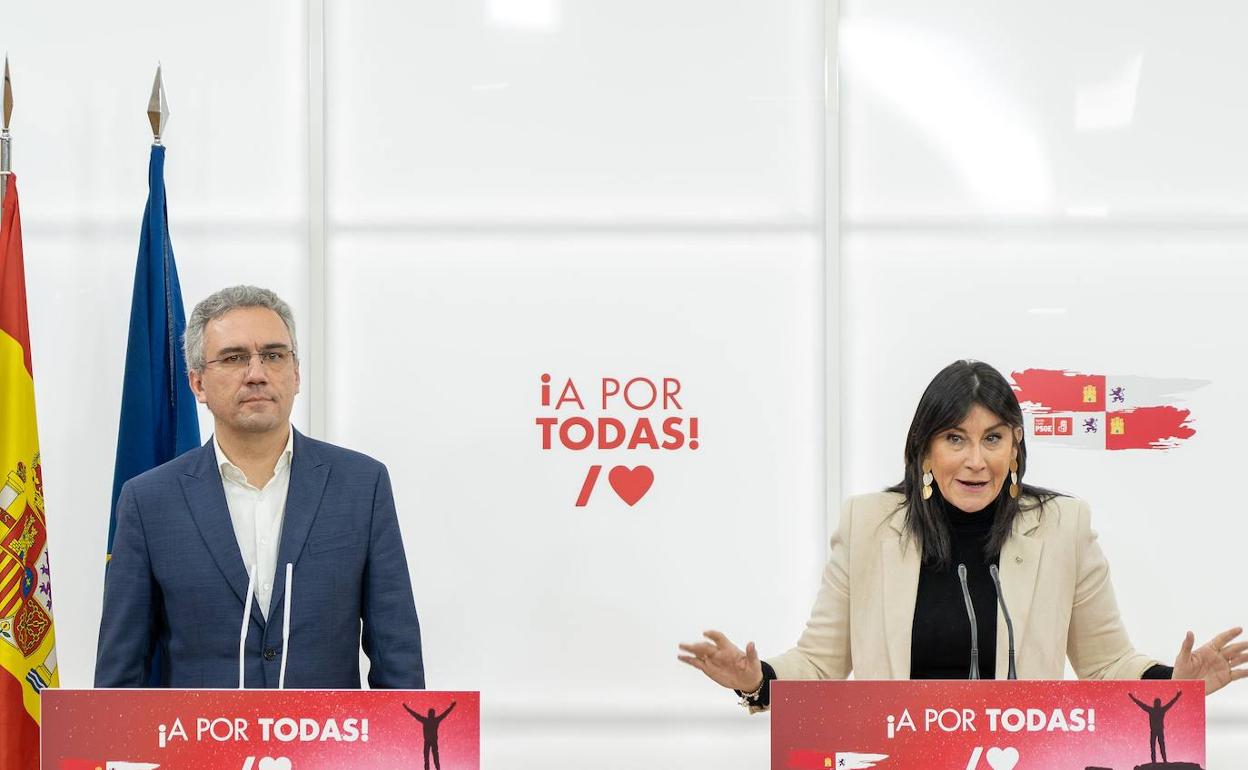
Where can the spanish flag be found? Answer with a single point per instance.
(27, 641)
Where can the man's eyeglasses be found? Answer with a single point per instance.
(275, 360)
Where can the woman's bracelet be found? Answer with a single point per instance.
(751, 698)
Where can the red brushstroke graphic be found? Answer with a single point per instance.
(1148, 427)
(1055, 390)
(1105, 411)
(807, 759)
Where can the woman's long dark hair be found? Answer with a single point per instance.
(944, 405)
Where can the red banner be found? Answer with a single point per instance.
(987, 725)
(260, 729)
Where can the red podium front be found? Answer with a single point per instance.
(259, 729)
(988, 725)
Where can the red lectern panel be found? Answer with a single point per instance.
(988, 725)
(259, 729)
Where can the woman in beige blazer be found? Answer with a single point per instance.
(891, 606)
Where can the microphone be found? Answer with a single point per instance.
(242, 633)
(1009, 624)
(970, 613)
(281, 677)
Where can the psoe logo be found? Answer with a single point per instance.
(1053, 426)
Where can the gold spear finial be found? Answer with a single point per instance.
(8, 94)
(158, 107)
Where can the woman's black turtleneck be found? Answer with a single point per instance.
(940, 642)
(940, 645)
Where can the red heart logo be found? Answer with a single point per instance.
(631, 485)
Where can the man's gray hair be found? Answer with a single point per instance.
(218, 304)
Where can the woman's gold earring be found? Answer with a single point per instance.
(1014, 478)
(927, 479)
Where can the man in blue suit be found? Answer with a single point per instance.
(227, 523)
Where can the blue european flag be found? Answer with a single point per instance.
(158, 412)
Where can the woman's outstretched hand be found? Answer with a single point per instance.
(724, 662)
(1217, 661)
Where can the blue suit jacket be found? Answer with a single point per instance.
(177, 581)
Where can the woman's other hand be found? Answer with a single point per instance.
(1218, 662)
(724, 662)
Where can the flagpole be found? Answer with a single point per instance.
(158, 108)
(6, 141)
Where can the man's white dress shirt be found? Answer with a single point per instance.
(257, 516)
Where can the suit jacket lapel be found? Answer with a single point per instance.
(205, 496)
(308, 474)
(899, 572)
(1020, 564)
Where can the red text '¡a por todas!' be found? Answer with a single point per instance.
(610, 433)
(637, 394)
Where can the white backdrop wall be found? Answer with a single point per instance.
(519, 187)
(609, 189)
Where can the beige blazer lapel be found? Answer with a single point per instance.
(1020, 563)
(899, 572)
